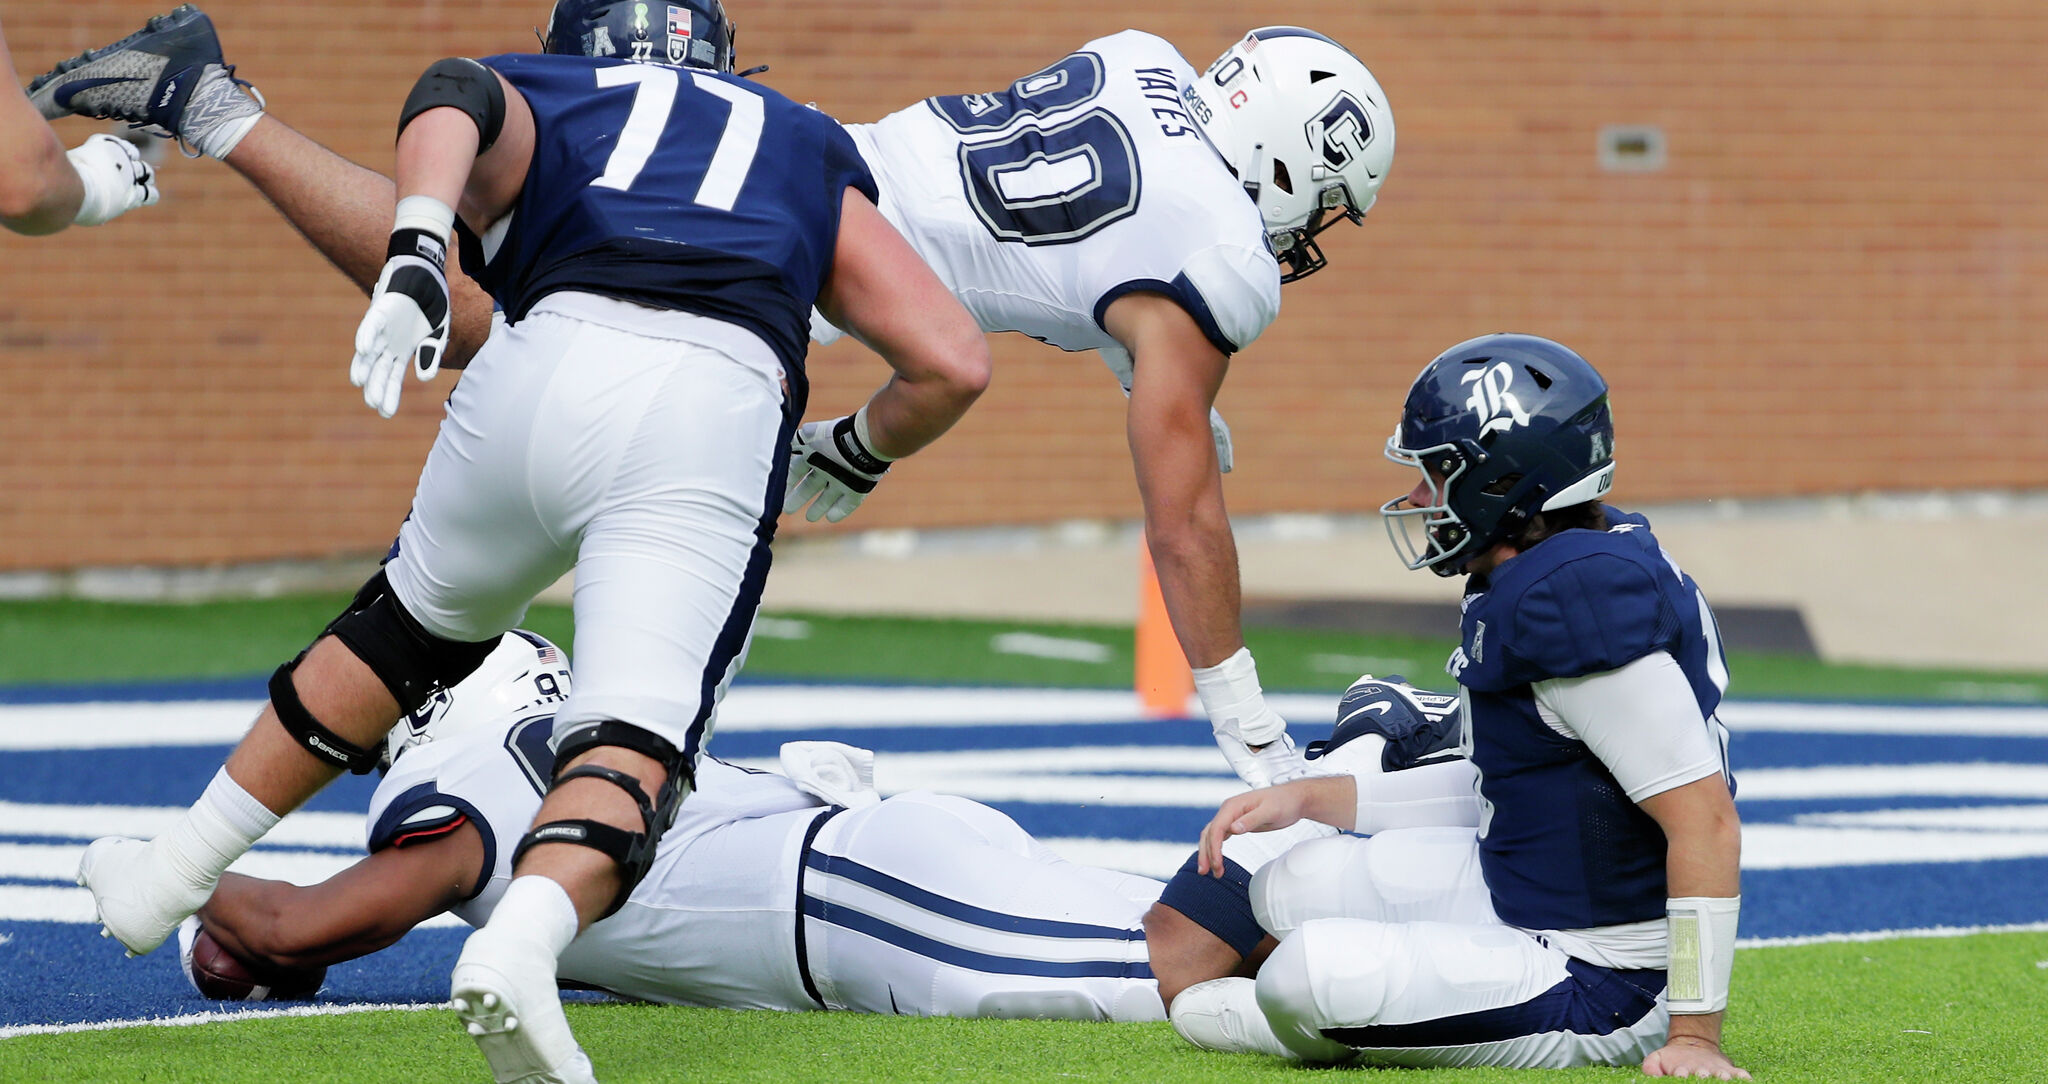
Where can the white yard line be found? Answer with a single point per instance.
(826, 707)
(190, 1019)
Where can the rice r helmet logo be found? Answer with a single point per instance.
(1497, 407)
(1342, 131)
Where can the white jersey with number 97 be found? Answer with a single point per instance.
(1042, 203)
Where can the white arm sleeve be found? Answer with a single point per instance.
(1442, 794)
(1642, 721)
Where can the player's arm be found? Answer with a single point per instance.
(464, 144)
(44, 188)
(39, 191)
(1702, 869)
(1643, 723)
(365, 907)
(1176, 373)
(881, 291)
(345, 211)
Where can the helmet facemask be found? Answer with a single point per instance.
(1431, 535)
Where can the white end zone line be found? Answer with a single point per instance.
(190, 1019)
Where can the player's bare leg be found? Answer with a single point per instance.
(503, 988)
(143, 890)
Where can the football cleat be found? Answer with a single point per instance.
(139, 901)
(1224, 1015)
(504, 993)
(168, 78)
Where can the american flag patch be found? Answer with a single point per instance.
(678, 21)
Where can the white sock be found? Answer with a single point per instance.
(219, 828)
(537, 909)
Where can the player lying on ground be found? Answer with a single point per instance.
(1163, 258)
(43, 187)
(1592, 919)
(918, 903)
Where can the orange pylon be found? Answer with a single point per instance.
(1164, 682)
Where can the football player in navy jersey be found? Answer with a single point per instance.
(631, 421)
(1592, 918)
(1117, 200)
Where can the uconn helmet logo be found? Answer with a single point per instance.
(1497, 407)
(426, 715)
(1342, 131)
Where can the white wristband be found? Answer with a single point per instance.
(1702, 953)
(867, 442)
(425, 213)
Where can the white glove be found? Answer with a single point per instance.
(1251, 734)
(834, 463)
(408, 317)
(116, 178)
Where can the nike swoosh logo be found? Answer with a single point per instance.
(64, 93)
(1377, 707)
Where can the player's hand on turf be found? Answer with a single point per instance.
(1691, 1056)
(115, 177)
(1263, 810)
(408, 320)
(832, 468)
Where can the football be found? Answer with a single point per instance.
(216, 973)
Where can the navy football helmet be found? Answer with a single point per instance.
(691, 33)
(1502, 427)
(1419, 726)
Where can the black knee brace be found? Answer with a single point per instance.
(633, 851)
(311, 732)
(409, 660)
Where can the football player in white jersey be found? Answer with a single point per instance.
(1100, 203)
(1115, 200)
(796, 891)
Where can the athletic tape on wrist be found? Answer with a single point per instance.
(1701, 952)
(867, 441)
(1231, 696)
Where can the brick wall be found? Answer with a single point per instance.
(1834, 285)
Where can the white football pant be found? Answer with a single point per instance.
(1390, 951)
(635, 445)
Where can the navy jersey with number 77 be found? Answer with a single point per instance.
(671, 187)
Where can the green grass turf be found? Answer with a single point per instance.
(59, 641)
(1937, 1009)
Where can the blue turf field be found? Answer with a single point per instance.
(1856, 818)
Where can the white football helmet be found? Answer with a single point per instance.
(523, 673)
(1305, 127)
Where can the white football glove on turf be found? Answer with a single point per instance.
(408, 317)
(116, 178)
(833, 462)
(1251, 734)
